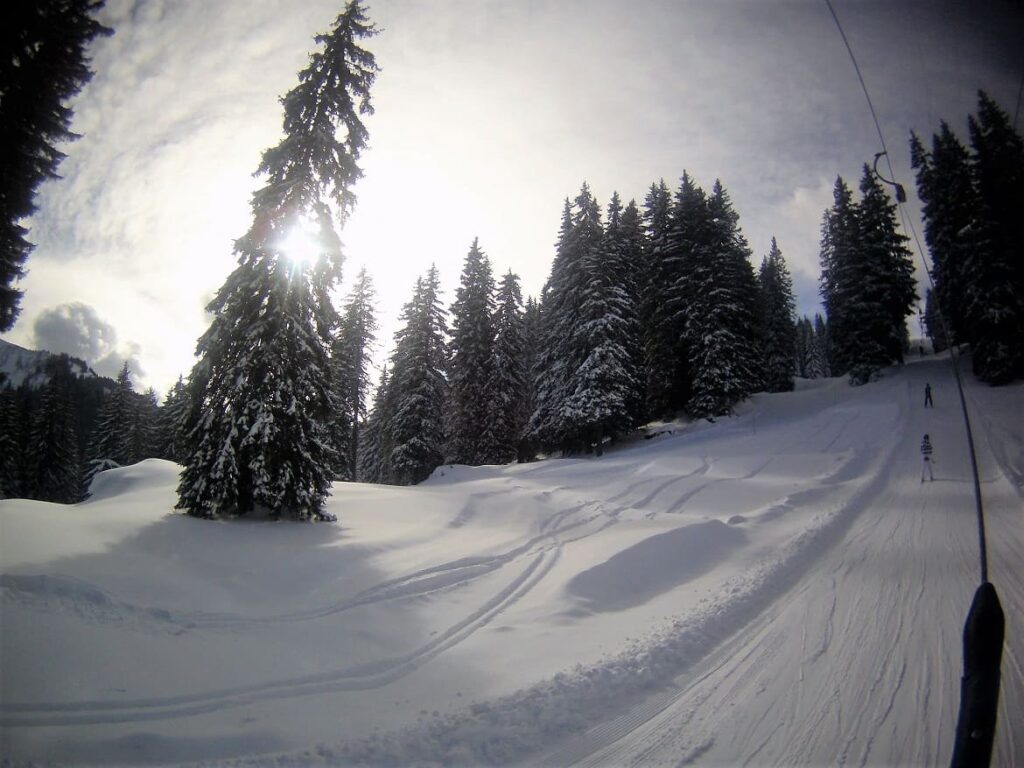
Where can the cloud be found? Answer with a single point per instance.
(76, 329)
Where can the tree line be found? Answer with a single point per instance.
(645, 314)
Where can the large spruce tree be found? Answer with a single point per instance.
(170, 424)
(995, 272)
(945, 184)
(374, 459)
(53, 463)
(115, 441)
(601, 400)
(556, 317)
(780, 332)
(471, 362)
(508, 388)
(661, 307)
(261, 392)
(866, 280)
(351, 367)
(43, 64)
(418, 386)
(626, 268)
(722, 328)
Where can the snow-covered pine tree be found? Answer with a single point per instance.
(376, 444)
(604, 386)
(889, 266)
(556, 318)
(933, 322)
(418, 385)
(840, 279)
(471, 362)
(147, 425)
(261, 391)
(170, 423)
(351, 368)
(660, 326)
(779, 333)
(823, 345)
(531, 346)
(995, 271)
(623, 253)
(115, 438)
(801, 346)
(722, 328)
(945, 185)
(866, 282)
(507, 390)
(566, 343)
(10, 444)
(54, 467)
(43, 64)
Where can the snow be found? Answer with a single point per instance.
(775, 587)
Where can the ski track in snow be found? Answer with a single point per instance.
(720, 684)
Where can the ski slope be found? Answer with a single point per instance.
(774, 588)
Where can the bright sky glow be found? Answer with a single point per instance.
(488, 115)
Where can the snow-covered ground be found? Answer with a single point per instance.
(774, 588)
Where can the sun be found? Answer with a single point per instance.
(301, 245)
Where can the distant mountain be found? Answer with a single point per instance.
(19, 365)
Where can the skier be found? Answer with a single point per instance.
(926, 454)
(928, 396)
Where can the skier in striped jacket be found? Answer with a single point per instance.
(926, 454)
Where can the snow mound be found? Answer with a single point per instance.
(146, 475)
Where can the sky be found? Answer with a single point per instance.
(488, 115)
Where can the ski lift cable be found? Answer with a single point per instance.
(985, 627)
(979, 506)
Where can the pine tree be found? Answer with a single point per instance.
(556, 317)
(351, 366)
(261, 392)
(722, 313)
(866, 281)
(471, 356)
(660, 308)
(508, 390)
(779, 329)
(147, 425)
(933, 322)
(377, 444)
(531, 355)
(54, 468)
(115, 439)
(43, 64)
(839, 278)
(623, 251)
(604, 385)
(995, 284)
(822, 346)
(10, 444)
(170, 424)
(945, 185)
(889, 267)
(802, 346)
(418, 386)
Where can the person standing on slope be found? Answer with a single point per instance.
(928, 396)
(926, 454)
